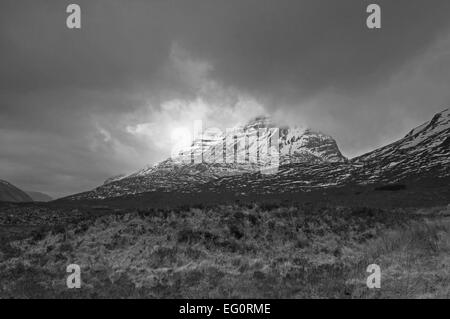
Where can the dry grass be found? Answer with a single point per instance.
(415, 259)
(237, 252)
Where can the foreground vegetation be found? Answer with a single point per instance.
(235, 251)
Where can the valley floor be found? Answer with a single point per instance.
(226, 251)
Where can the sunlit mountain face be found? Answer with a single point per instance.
(214, 154)
(305, 159)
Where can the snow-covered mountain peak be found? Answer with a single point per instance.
(307, 159)
(439, 123)
(243, 149)
(259, 122)
(296, 144)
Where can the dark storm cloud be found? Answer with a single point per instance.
(67, 96)
(254, 44)
(299, 47)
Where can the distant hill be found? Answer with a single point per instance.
(39, 197)
(10, 193)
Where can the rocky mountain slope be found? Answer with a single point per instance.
(424, 150)
(306, 160)
(423, 153)
(10, 193)
(242, 150)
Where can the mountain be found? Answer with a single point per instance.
(114, 178)
(249, 144)
(39, 197)
(425, 150)
(305, 160)
(10, 193)
(423, 153)
(254, 147)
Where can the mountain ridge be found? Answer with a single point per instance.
(11, 193)
(241, 150)
(307, 160)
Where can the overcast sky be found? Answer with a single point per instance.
(77, 106)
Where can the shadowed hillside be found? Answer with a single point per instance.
(10, 193)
